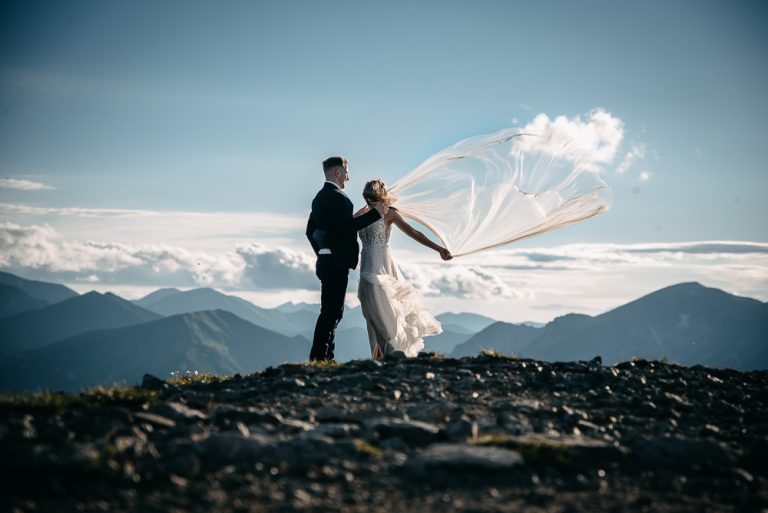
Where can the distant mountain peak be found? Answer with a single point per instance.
(50, 293)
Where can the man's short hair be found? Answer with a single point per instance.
(333, 162)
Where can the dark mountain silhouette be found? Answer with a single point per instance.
(15, 301)
(687, 323)
(447, 341)
(156, 296)
(73, 316)
(291, 307)
(216, 342)
(502, 336)
(49, 292)
(351, 344)
(455, 328)
(166, 302)
(471, 322)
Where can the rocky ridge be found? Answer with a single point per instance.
(488, 433)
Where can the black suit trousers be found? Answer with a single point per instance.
(333, 288)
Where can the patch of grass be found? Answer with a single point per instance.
(498, 439)
(189, 377)
(535, 452)
(547, 454)
(364, 447)
(433, 355)
(93, 397)
(323, 364)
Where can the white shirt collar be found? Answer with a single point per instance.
(337, 186)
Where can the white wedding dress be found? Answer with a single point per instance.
(395, 313)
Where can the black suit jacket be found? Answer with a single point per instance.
(331, 225)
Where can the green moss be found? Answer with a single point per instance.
(323, 364)
(96, 396)
(364, 447)
(535, 452)
(498, 439)
(189, 377)
(547, 454)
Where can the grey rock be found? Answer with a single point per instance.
(460, 430)
(342, 430)
(332, 414)
(311, 448)
(514, 423)
(296, 426)
(230, 448)
(465, 458)
(395, 356)
(151, 382)
(178, 412)
(566, 449)
(413, 432)
(154, 419)
(224, 415)
(394, 444)
(431, 412)
(680, 452)
(367, 364)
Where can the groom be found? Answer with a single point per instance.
(332, 231)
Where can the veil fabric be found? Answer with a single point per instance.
(490, 190)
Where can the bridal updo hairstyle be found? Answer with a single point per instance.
(375, 190)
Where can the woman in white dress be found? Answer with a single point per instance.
(395, 314)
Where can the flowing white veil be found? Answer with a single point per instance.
(491, 190)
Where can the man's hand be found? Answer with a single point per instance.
(381, 207)
(445, 254)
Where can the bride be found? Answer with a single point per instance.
(395, 314)
(481, 193)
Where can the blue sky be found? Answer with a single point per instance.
(171, 110)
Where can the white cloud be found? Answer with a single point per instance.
(202, 231)
(467, 282)
(23, 185)
(594, 140)
(637, 151)
(513, 284)
(41, 249)
(645, 176)
(279, 268)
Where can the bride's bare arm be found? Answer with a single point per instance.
(416, 234)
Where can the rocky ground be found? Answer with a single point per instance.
(484, 434)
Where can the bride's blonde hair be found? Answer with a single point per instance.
(378, 191)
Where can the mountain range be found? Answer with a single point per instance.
(217, 342)
(48, 293)
(51, 337)
(91, 311)
(686, 323)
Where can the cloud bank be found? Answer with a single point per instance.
(40, 252)
(23, 185)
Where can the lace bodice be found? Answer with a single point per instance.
(376, 234)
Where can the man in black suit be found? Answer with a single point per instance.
(332, 231)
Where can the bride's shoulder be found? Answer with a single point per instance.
(392, 215)
(360, 212)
